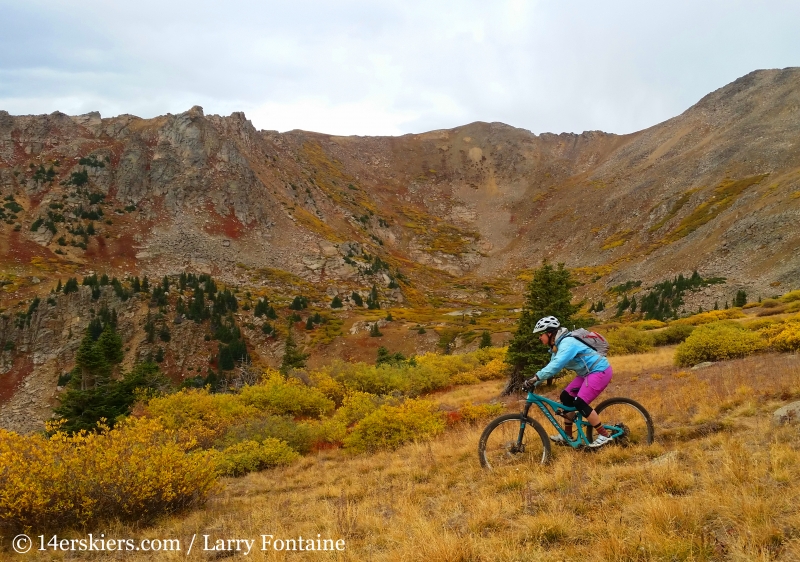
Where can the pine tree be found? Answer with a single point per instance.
(110, 344)
(741, 298)
(293, 358)
(91, 367)
(486, 340)
(310, 323)
(372, 299)
(548, 294)
(336, 302)
(374, 331)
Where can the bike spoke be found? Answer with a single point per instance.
(500, 447)
(628, 422)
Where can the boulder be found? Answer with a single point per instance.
(787, 414)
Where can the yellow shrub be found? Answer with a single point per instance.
(473, 413)
(489, 354)
(449, 364)
(326, 384)
(760, 323)
(389, 427)
(648, 324)
(386, 379)
(134, 472)
(468, 377)
(198, 414)
(286, 396)
(785, 337)
(710, 316)
(715, 342)
(793, 307)
(628, 340)
(791, 297)
(357, 406)
(252, 456)
(770, 303)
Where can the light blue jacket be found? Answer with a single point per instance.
(575, 355)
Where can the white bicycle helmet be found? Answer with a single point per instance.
(545, 323)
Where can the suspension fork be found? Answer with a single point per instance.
(525, 409)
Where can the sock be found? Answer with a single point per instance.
(568, 428)
(601, 430)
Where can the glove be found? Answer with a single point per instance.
(530, 384)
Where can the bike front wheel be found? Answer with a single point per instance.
(630, 423)
(500, 445)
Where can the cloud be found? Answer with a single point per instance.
(389, 67)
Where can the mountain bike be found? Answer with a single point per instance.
(517, 438)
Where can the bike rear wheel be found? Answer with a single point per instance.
(498, 445)
(630, 416)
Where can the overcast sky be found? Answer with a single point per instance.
(376, 67)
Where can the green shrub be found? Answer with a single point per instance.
(629, 340)
(716, 342)
(676, 333)
(300, 436)
(252, 456)
(389, 427)
(286, 396)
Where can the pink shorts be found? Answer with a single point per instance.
(589, 387)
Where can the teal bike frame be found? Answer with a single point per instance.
(550, 409)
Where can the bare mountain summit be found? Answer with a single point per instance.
(715, 188)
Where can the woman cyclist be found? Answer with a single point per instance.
(593, 370)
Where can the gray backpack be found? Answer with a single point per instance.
(591, 339)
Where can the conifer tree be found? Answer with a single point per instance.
(486, 340)
(548, 294)
(293, 358)
(110, 345)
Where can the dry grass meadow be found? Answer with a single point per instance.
(719, 483)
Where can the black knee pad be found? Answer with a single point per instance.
(567, 399)
(583, 407)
